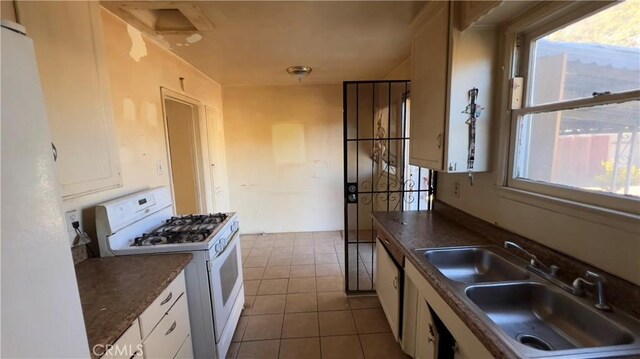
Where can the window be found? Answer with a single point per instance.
(577, 135)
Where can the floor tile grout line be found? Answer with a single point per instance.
(318, 316)
(314, 336)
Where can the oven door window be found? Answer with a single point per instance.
(229, 275)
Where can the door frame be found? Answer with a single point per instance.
(168, 94)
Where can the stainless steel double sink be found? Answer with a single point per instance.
(534, 317)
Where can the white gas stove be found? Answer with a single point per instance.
(144, 223)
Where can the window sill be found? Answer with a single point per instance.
(607, 217)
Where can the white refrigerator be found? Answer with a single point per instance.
(41, 315)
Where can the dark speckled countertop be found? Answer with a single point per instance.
(114, 291)
(447, 227)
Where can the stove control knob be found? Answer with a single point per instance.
(219, 247)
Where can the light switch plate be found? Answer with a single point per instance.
(159, 167)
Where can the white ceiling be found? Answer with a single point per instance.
(254, 42)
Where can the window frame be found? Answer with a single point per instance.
(523, 35)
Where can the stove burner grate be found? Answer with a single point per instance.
(185, 229)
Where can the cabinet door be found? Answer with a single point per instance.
(426, 332)
(72, 66)
(429, 88)
(409, 317)
(388, 287)
(128, 346)
(472, 65)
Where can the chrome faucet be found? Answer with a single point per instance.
(549, 273)
(598, 283)
(534, 262)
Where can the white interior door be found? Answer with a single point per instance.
(217, 159)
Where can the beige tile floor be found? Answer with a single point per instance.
(296, 306)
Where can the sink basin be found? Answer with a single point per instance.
(545, 318)
(474, 265)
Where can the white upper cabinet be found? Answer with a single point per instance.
(428, 87)
(70, 56)
(447, 63)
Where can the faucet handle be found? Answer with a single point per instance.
(596, 276)
(553, 270)
(599, 281)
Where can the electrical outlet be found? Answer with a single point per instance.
(72, 216)
(456, 190)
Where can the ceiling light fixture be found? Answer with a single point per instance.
(299, 71)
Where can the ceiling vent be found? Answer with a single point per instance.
(165, 17)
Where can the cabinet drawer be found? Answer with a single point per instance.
(168, 336)
(152, 315)
(391, 246)
(129, 345)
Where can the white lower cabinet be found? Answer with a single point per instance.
(167, 337)
(186, 350)
(162, 330)
(161, 305)
(426, 330)
(129, 345)
(387, 287)
(417, 317)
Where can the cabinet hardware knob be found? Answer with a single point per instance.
(167, 299)
(439, 139)
(173, 326)
(395, 283)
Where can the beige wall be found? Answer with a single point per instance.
(7, 10)
(138, 68)
(284, 156)
(601, 242)
(401, 72)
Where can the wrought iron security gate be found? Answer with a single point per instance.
(377, 173)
